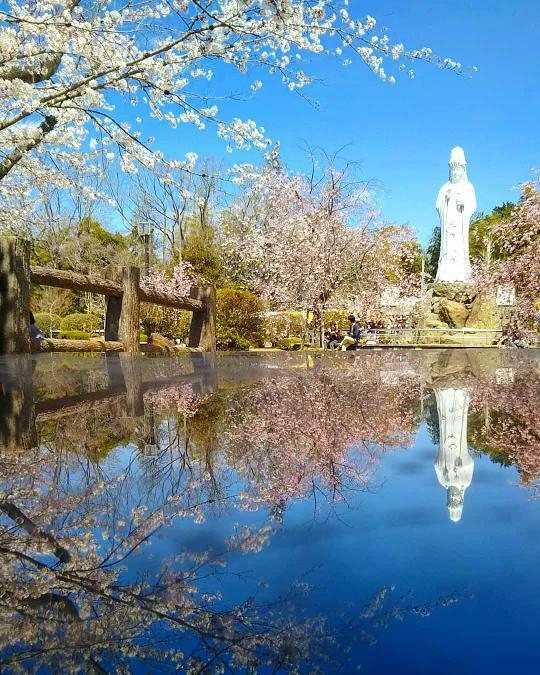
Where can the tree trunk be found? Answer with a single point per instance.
(14, 295)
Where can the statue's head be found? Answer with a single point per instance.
(454, 501)
(458, 165)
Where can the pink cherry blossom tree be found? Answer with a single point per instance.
(518, 239)
(310, 245)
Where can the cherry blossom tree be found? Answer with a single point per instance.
(310, 245)
(66, 65)
(518, 241)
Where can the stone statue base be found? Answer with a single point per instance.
(457, 305)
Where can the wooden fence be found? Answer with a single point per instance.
(123, 295)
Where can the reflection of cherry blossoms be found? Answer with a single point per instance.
(67, 538)
(176, 398)
(508, 423)
(315, 432)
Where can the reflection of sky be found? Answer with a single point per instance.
(397, 533)
(401, 535)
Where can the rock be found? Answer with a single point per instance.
(485, 313)
(453, 313)
(459, 292)
(432, 320)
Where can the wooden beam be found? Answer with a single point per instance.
(110, 287)
(56, 345)
(46, 276)
(176, 302)
(14, 295)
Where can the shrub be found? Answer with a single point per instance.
(161, 340)
(47, 322)
(230, 339)
(74, 335)
(81, 322)
(171, 323)
(240, 311)
(143, 337)
(289, 344)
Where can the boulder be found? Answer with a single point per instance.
(485, 313)
(453, 313)
(432, 320)
(459, 291)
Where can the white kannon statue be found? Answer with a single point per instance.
(456, 203)
(454, 466)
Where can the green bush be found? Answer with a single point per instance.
(289, 344)
(47, 322)
(240, 311)
(229, 339)
(172, 323)
(74, 335)
(81, 322)
(143, 337)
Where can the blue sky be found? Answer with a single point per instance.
(401, 135)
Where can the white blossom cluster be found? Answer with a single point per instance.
(66, 66)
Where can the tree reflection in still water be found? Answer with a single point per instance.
(90, 478)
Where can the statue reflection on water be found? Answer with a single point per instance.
(454, 465)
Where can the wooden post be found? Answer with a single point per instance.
(129, 317)
(14, 295)
(202, 332)
(113, 307)
(131, 368)
(17, 411)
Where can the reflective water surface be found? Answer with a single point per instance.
(271, 513)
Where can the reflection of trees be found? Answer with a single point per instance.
(73, 516)
(67, 534)
(507, 423)
(504, 390)
(315, 432)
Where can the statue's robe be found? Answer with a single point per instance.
(456, 203)
(454, 466)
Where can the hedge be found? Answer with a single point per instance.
(238, 317)
(81, 322)
(74, 335)
(47, 322)
(289, 344)
(229, 339)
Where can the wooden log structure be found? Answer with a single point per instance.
(46, 276)
(123, 293)
(14, 295)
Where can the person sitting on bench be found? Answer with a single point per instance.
(35, 333)
(334, 336)
(351, 340)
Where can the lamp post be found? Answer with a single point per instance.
(423, 273)
(144, 228)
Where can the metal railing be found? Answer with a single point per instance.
(473, 337)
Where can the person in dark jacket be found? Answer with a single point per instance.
(35, 333)
(352, 339)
